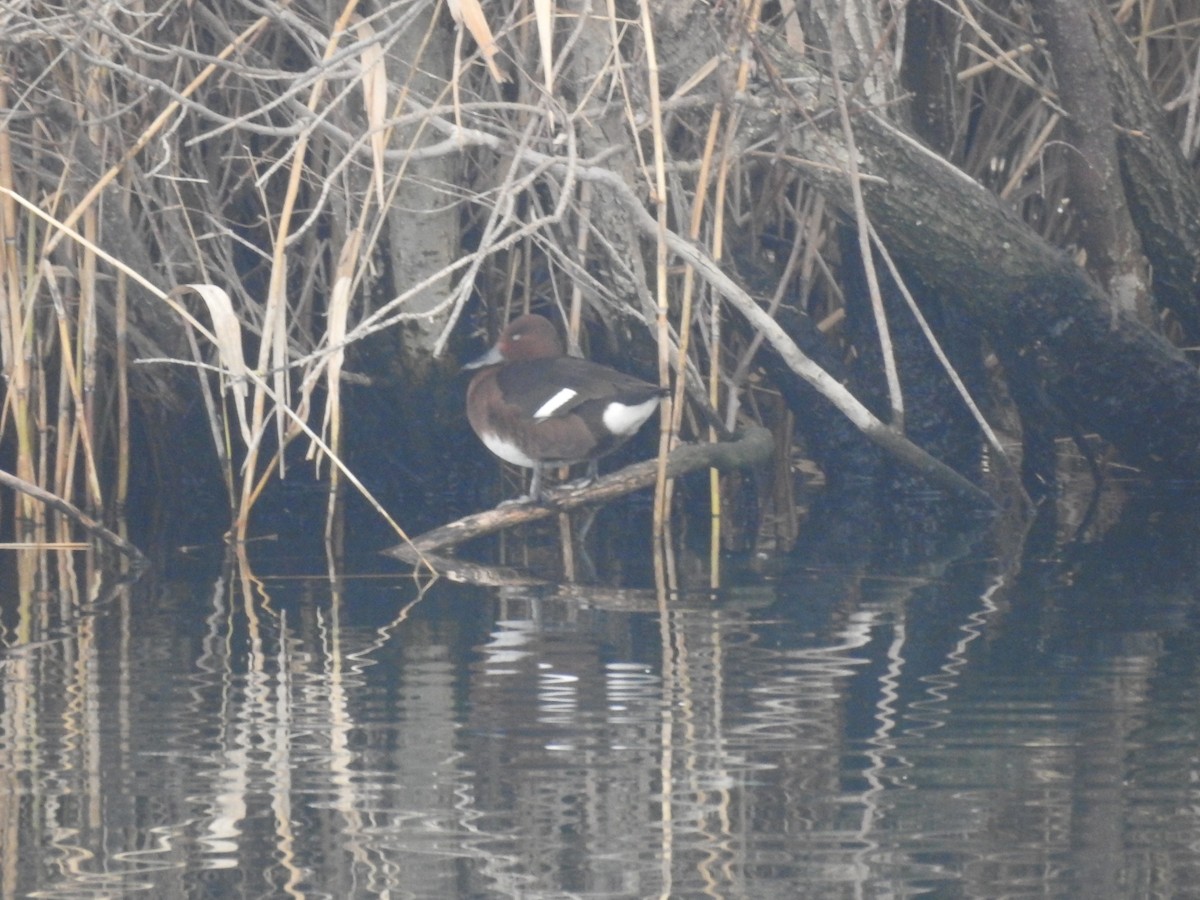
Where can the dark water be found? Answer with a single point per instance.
(981, 725)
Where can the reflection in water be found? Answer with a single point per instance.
(962, 729)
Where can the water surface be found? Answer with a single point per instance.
(874, 725)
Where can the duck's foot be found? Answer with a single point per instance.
(520, 501)
(593, 473)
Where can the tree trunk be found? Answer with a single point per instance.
(1106, 231)
(1162, 190)
(422, 220)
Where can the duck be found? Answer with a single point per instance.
(534, 406)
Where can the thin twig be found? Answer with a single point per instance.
(72, 512)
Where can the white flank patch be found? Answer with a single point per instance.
(554, 404)
(622, 419)
(507, 451)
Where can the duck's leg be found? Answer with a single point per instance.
(593, 472)
(535, 486)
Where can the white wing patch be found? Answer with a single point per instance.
(625, 420)
(554, 404)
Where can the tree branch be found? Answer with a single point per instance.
(752, 449)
